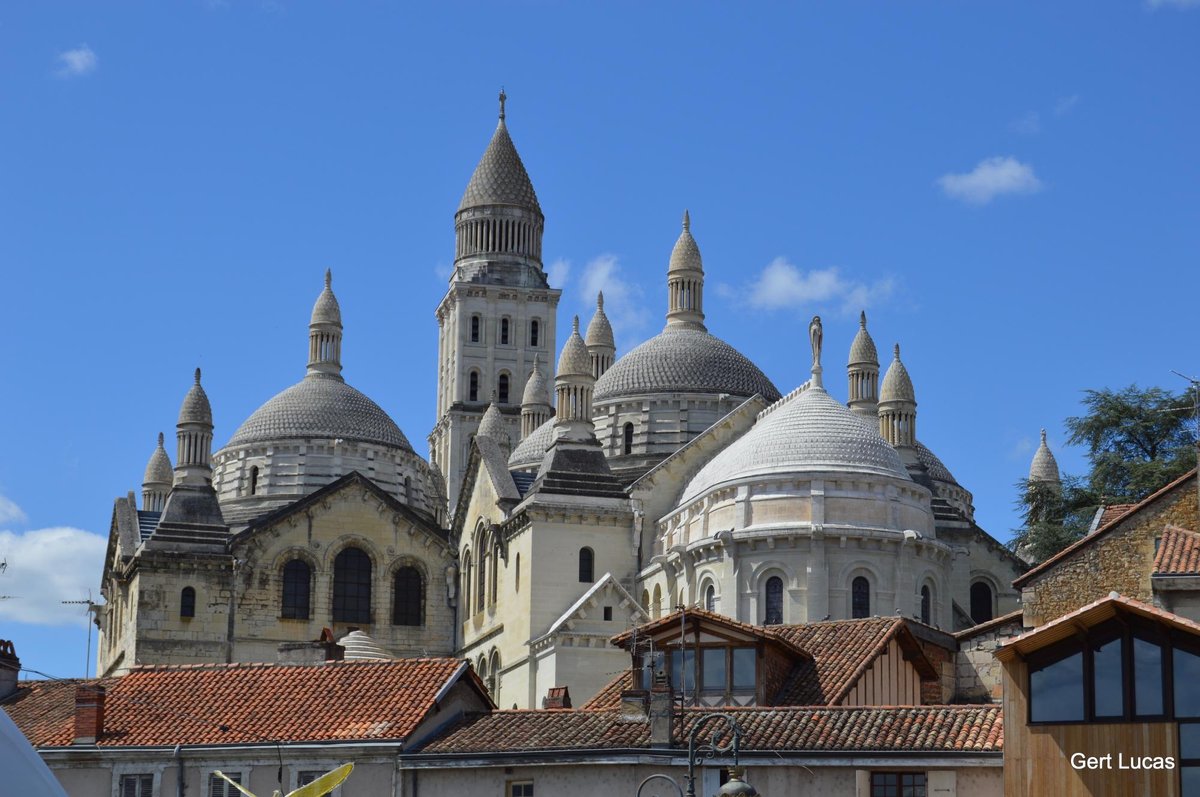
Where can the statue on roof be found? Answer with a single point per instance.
(814, 337)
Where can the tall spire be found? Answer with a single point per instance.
(600, 339)
(863, 372)
(325, 334)
(898, 405)
(1044, 467)
(685, 281)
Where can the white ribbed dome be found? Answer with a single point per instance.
(862, 350)
(810, 433)
(360, 646)
(532, 450)
(897, 384)
(326, 309)
(195, 408)
(575, 359)
(599, 331)
(158, 469)
(1044, 467)
(537, 390)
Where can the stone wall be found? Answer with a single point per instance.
(1120, 560)
(978, 675)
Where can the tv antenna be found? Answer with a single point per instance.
(89, 608)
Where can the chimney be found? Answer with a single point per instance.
(558, 697)
(633, 705)
(89, 713)
(10, 666)
(662, 703)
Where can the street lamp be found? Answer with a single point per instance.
(709, 748)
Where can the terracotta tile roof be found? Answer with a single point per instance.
(1178, 553)
(1086, 616)
(837, 653)
(244, 703)
(842, 651)
(974, 729)
(1102, 531)
(1109, 513)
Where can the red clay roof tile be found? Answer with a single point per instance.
(1178, 553)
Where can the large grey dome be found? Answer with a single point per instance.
(810, 433)
(320, 406)
(532, 450)
(684, 360)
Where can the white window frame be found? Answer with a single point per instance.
(121, 770)
(209, 773)
(294, 771)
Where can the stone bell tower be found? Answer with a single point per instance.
(499, 311)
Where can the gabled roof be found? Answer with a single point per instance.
(1104, 530)
(842, 651)
(418, 519)
(1178, 553)
(1106, 514)
(1094, 613)
(247, 703)
(982, 628)
(692, 620)
(921, 729)
(577, 610)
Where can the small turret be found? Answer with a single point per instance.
(685, 281)
(898, 405)
(191, 513)
(535, 401)
(492, 425)
(599, 340)
(1044, 467)
(325, 334)
(157, 481)
(573, 388)
(193, 434)
(863, 372)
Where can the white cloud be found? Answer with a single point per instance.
(77, 63)
(10, 512)
(782, 285)
(622, 299)
(46, 567)
(990, 179)
(1028, 125)
(1067, 104)
(558, 273)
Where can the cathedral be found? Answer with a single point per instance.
(569, 495)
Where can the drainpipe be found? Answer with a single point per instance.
(178, 772)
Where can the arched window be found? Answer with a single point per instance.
(493, 680)
(982, 606)
(587, 566)
(535, 329)
(860, 597)
(517, 575)
(408, 597)
(352, 587)
(187, 602)
(646, 600)
(473, 386)
(710, 598)
(297, 585)
(485, 563)
(503, 331)
(773, 601)
(926, 605)
(627, 447)
(656, 609)
(474, 329)
(467, 582)
(254, 480)
(502, 389)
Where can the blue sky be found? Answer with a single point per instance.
(1011, 190)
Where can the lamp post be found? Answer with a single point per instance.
(700, 749)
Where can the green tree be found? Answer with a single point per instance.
(1138, 441)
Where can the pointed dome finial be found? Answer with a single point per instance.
(503, 97)
(815, 338)
(160, 439)
(687, 220)
(600, 300)
(862, 319)
(1044, 467)
(493, 397)
(1043, 437)
(328, 279)
(896, 351)
(197, 376)
(574, 328)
